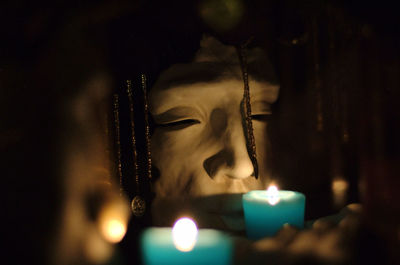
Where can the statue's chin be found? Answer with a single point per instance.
(234, 223)
(223, 212)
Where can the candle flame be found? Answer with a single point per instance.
(273, 195)
(113, 219)
(114, 230)
(184, 234)
(340, 188)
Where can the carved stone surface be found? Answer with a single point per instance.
(199, 144)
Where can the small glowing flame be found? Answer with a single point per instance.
(114, 230)
(339, 185)
(113, 220)
(340, 188)
(273, 195)
(184, 234)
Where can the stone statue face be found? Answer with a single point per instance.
(199, 145)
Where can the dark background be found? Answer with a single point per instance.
(337, 61)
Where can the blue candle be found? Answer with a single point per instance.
(162, 246)
(265, 212)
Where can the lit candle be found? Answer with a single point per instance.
(184, 244)
(266, 211)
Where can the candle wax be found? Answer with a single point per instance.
(212, 247)
(263, 219)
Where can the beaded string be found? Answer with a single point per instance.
(133, 137)
(147, 126)
(246, 110)
(118, 139)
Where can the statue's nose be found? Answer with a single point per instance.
(233, 160)
(239, 164)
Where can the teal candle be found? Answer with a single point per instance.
(210, 247)
(265, 212)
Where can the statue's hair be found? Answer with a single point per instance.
(217, 61)
(213, 51)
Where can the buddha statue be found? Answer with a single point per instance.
(199, 143)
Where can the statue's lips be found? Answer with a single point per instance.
(223, 204)
(233, 221)
(221, 211)
(233, 214)
(226, 208)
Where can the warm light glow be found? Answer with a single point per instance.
(273, 195)
(114, 230)
(113, 219)
(340, 187)
(95, 248)
(184, 234)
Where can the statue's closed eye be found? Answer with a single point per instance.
(261, 117)
(178, 125)
(177, 118)
(261, 111)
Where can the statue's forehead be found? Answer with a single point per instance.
(206, 72)
(210, 92)
(187, 74)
